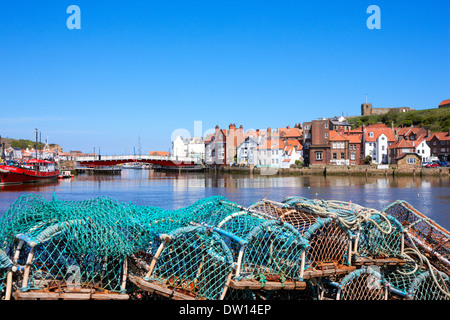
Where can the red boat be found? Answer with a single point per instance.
(34, 170)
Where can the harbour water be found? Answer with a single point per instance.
(429, 195)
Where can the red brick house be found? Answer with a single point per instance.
(339, 149)
(398, 149)
(440, 145)
(319, 148)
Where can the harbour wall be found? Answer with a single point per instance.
(363, 170)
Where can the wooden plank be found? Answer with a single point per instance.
(378, 262)
(269, 285)
(317, 273)
(164, 291)
(40, 295)
(110, 296)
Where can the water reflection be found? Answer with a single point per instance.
(173, 190)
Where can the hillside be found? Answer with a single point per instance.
(436, 120)
(24, 143)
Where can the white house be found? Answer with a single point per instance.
(377, 139)
(270, 153)
(180, 147)
(187, 147)
(246, 151)
(196, 148)
(292, 152)
(423, 149)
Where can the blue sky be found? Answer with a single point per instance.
(146, 68)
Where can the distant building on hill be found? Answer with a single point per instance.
(444, 104)
(368, 110)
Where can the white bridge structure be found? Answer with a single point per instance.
(165, 161)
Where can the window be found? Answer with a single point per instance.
(338, 145)
(411, 160)
(371, 134)
(352, 156)
(319, 155)
(334, 155)
(342, 155)
(326, 135)
(326, 125)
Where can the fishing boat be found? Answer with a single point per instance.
(33, 170)
(136, 166)
(65, 175)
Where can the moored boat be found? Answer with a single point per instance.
(33, 170)
(65, 175)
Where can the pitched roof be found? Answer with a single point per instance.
(337, 136)
(158, 153)
(377, 131)
(290, 132)
(441, 136)
(443, 103)
(401, 144)
(272, 145)
(402, 155)
(354, 138)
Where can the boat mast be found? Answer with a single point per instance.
(36, 147)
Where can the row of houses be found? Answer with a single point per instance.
(332, 141)
(318, 142)
(279, 147)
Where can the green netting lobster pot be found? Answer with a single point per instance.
(380, 236)
(362, 284)
(64, 259)
(264, 248)
(190, 262)
(430, 286)
(329, 241)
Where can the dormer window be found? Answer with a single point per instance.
(371, 134)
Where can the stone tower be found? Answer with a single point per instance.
(366, 109)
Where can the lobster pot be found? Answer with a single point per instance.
(420, 285)
(423, 233)
(329, 242)
(264, 249)
(191, 262)
(380, 237)
(430, 286)
(57, 261)
(362, 284)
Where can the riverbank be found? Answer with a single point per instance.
(363, 170)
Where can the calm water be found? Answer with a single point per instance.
(170, 191)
